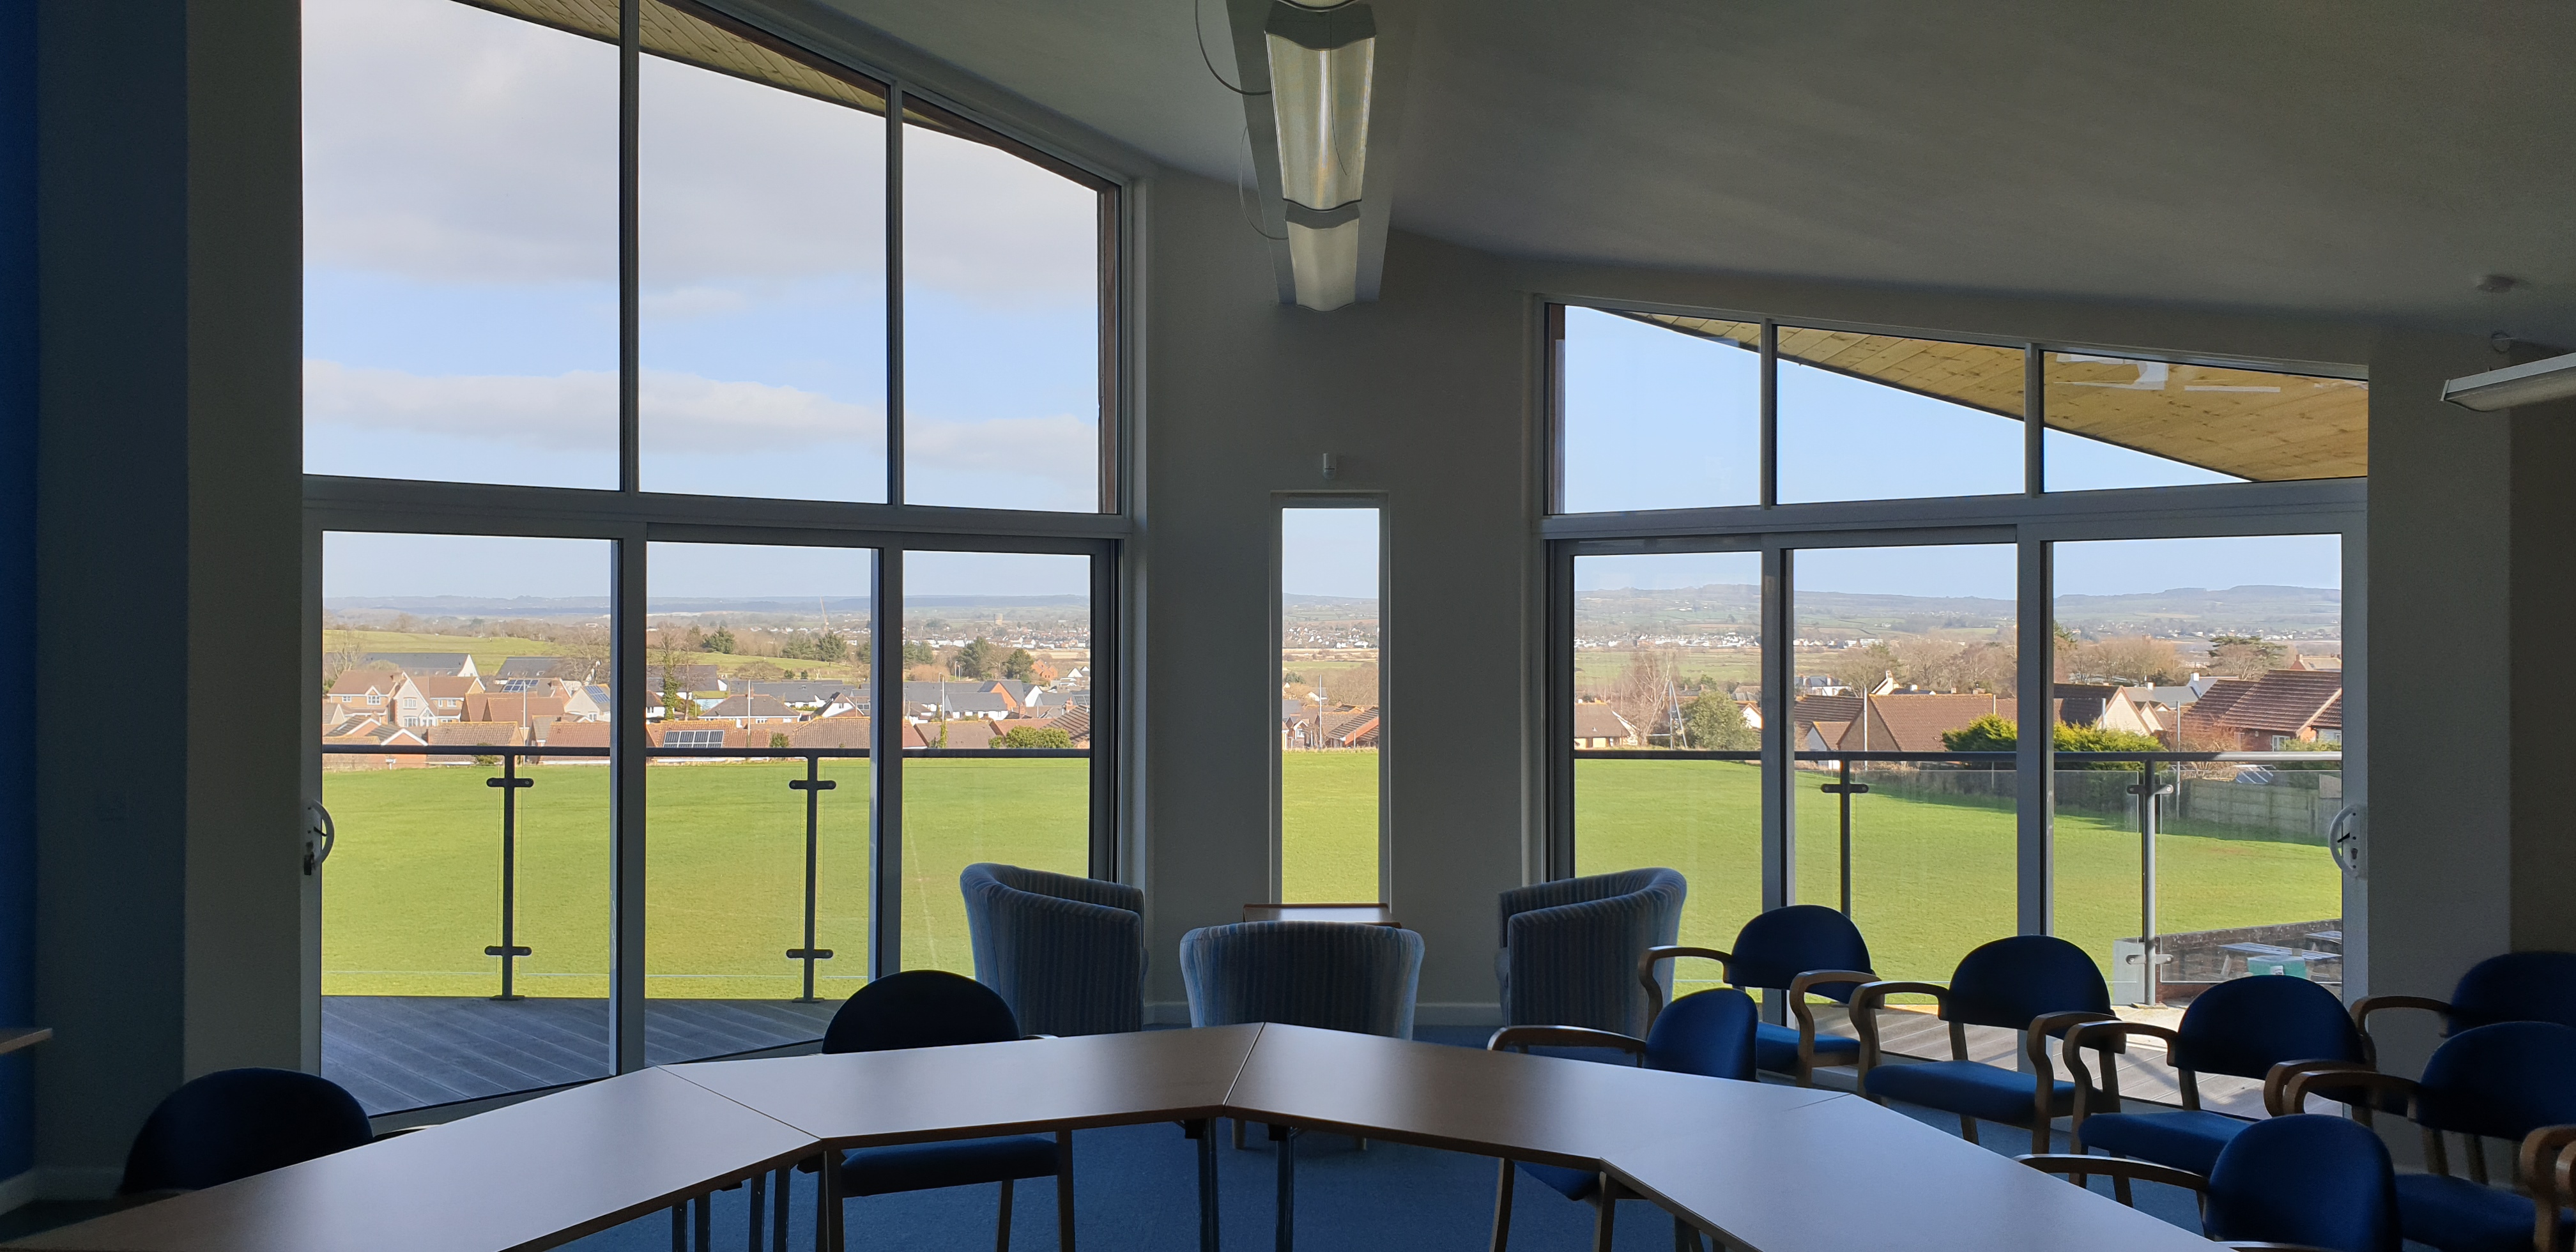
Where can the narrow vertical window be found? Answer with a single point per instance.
(1332, 714)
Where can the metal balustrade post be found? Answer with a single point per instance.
(1846, 789)
(2147, 791)
(508, 949)
(813, 784)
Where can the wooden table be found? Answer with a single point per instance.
(528, 1175)
(1764, 1167)
(1360, 914)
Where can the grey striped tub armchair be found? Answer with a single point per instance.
(1067, 954)
(1329, 975)
(1570, 948)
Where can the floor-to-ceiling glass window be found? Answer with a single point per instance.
(769, 570)
(465, 928)
(1927, 553)
(1332, 710)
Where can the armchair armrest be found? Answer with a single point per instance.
(2367, 1005)
(2085, 1035)
(1527, 1037)
(2034, 1045)
(2542, 1162)
(2279, 1076)
(2113, 1167)
(1798, 1007)
(1865, 1002)
(1656, 955)
(2369, 1090)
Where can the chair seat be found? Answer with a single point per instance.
(2187, 1140)
(926, 1166)
(2457, 1215)
(1775, 1048)
(1573, 1184)
(1969, 1088)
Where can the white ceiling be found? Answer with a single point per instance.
(2366, 160)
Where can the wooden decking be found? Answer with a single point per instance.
(407, 1052)
(2144, 1075)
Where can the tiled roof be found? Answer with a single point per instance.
(1074, 722)
(2286, 701)
(2081, 704)
(446, 686)
(1600, 721)
(489, 734)
(358, 682)
(828, 732)
(1913, 723)
(1813, 709)
(2213, 705)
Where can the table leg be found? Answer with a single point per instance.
(1205, 1133)
(778, 1218)
(759, 1196)
(1609, 1214)
(1685, 1235)
(1503, 1209)
(827, 1203)
(680, 1227)
(1285, 1140)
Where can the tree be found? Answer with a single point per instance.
(1648, 690)
(915, 652)
(721, 641)
(979, 659)
(1034, 737)
(777, 739)
(1715, 723)
(1019, 665)
(1863, 667)
(2133, 661)
(2243, 656)
(1997, 733)
(676, 704)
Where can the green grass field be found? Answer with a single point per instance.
(412, 895)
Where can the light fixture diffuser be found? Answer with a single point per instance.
(1320, 64)
(2535, 383)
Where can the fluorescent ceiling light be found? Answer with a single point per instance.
(1320, 62)
(2535, 383)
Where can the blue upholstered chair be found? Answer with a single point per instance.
(2299, 1181)
(1329, 975)
(1067, 954)
(928, 1008)
(234, 1123)
(2514, 987)
(2243, 1027)
(2039, 984)
(1710, 1034)
(2514, 1081)
(1570, 948)
(1794, 950)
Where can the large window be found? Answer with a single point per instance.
(2026, 700)
(676, 819)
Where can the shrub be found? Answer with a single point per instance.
(1034, 737)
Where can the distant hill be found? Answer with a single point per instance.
(592, 606)
(2258, 609)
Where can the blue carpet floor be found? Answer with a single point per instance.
(1136, 1187)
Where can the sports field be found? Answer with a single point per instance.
(412, 890)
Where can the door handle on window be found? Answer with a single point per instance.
(319, 835)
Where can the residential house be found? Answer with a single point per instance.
(569, 734)
(827, 732)
(571, 669)
(1810, 712)
(691, 678)
(456, 734)
(1075, 723)
(426, 664)
(537, 713)
(699, 733)
(361, 691)
(372, 732)
(1052, 699)
(963, 696)
(1914, 722)
(970, 732)
(1357, 728)
(751, 709)
(1600, 726)
(2283, 706)
(444, 695)
(802, 693)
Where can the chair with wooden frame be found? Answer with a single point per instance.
(1709, 1034)
(2297, 1182)
(2514, 1081)
(2514, 987)
(2244, 1027)
(2038, 984)
(1795, 950)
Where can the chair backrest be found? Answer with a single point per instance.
(2516, 987)
(1591, 887)
(1067, 954)
(238, 1122)
(2245, 1026)
(2501, 1080)
(2306, 1179)
(1330, 975)
(2010, 981)
(1777, 946)
(1708, 1033)
(920, 1008)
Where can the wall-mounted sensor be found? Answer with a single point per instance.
(1332, 466)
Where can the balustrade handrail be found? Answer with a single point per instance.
(787, 754)
(1696, 754)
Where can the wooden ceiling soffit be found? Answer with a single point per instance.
(695, 35)
(2247, 423)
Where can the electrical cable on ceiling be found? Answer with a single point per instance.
(1199, 25)
(1240, 200)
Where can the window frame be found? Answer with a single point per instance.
(631, 518)
(2032, 522)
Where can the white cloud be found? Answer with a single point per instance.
(693, 302)
(682, 413)
(448, 143)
